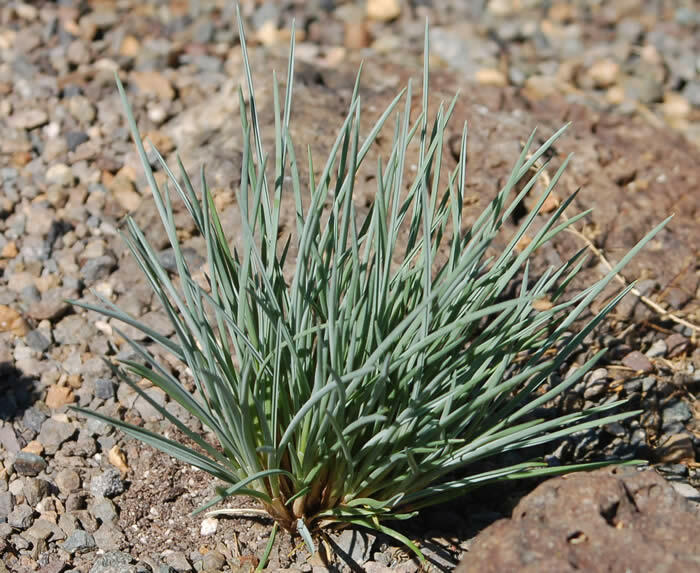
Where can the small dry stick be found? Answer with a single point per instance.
(598, 253)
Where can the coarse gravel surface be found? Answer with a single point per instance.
(75, 495)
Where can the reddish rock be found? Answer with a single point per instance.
(637, 362)
(676, 344)
(613, 519)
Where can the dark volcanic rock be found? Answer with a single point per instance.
(613, 519)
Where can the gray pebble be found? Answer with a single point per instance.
(691, 91)
(676, 413)
(21, 517)
(672, 428)
(686, 490)
(638, 442)
(104, 389)
(145, 409)
(71, 329)
(108, 484)
(630, 29)
(98, 427)
(75, 138)
(648, 383)
(645, 89)
(19, 542)
(35, 490)
(213, 561)
(657, 349)
(43, 529)
(356, 544)
(30, 294)
(8, 439)
(192, 257)
(53, 433)
(28, 118)
(37, 341)
(105, 511)
(108, 537)
(7, 503)
(113, 562)
(633, 386)
(203, 31)
(75, 502)
(106, 442)
(267, 12)
(678, 470)
(67, 480)
(27, 464)
(616, 429)
(98, 268)
(78, 542)
(177, 560)
(33, 418)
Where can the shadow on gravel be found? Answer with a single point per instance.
(17, 392)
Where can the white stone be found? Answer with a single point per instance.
(209, 526)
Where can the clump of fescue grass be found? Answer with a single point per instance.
(361, 391)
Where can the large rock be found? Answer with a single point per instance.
(613, 519)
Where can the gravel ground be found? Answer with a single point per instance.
(77, 496)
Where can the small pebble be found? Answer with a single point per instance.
(27, 464)
(67, 480)
(677, 344)
(21, 517)
(78, 542)
(686, 490)
(383, 10)
(637, 362)
(213, 561)
(105, 511)
(209, 526)
(108, 484)
(657, 349)
(604, 73)
(677, 412)
(104, 389)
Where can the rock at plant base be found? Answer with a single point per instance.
(356, 545)
(613, 519)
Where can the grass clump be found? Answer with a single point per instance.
(359, 391)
